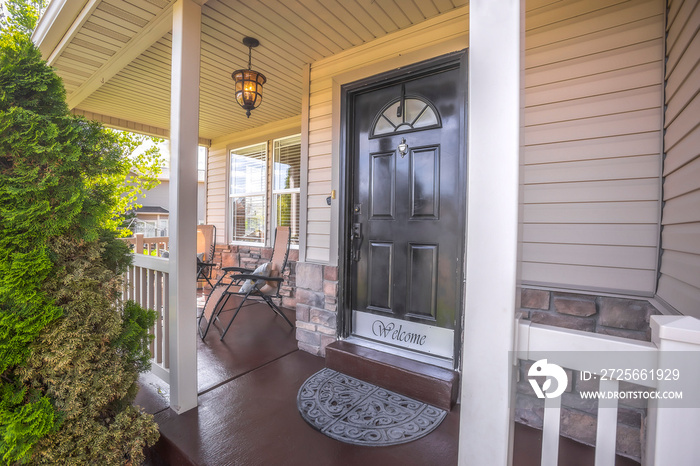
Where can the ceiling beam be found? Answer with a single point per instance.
(132, 126)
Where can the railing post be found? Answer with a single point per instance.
(672, 431)
(138, 246)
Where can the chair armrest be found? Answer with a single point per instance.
(236, 269)
(247, 276)
(274, 279)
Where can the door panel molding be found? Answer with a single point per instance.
(380, 285)
(422, 281)
(424, 186)
(382, 186)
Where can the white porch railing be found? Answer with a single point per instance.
(157, 244)
(668, 437)
(147, 282)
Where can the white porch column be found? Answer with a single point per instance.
(494, 103)
(672, 431)
(184, 135)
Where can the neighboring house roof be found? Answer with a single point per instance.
(149, 209)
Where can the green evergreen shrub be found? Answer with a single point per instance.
(87, 361)
(70, 350)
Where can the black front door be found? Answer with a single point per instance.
(408, 209)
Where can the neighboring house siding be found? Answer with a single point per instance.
(158, 196)
(679, 284)
(592, 155)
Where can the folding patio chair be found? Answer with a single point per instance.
(251, 287)
(206, 245)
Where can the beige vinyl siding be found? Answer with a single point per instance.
(592, 134)
(592, 143)
(318, 224)
(679, 283)
(217, 192)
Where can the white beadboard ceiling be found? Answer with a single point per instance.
(114, 55)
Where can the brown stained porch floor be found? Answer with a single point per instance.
(247, 412)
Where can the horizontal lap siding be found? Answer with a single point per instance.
(592, 139)
(592, 133)
(679, 283)
(592, 143)
(318, 228)
(217, 192)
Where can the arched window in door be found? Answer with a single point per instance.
(404, 114)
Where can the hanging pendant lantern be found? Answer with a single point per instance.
(248, 84)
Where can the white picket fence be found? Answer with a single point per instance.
(147, 282)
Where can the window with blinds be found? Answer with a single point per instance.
(248, 193)
(286, 177)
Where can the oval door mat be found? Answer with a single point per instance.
(353, 411)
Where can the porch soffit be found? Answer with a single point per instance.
(114, 55)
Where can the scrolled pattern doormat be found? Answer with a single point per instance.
(357, 412)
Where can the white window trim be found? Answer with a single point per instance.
(269, 194)
(274, 192)
(263, 193)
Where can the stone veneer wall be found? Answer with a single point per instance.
(311, 289)
(622, 317)
(251, 257)
(317, 306)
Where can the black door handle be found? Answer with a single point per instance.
(356, 239)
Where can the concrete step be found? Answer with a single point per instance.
(424, 382)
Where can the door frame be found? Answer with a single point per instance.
(347, 178)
